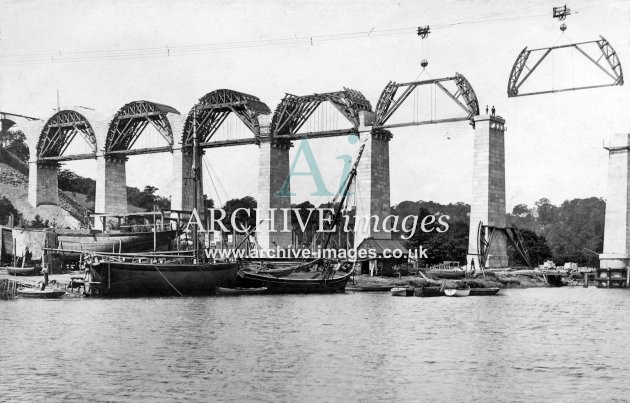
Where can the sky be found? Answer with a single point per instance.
(104, 54)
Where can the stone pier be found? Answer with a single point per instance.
(43, 183)
(183, 184)
(273, 171)
(373, 186)
(111, 186)
(616, 252)
(488, 192)
(43, 179)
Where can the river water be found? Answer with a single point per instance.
(537, 344)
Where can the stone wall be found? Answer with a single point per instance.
(111, 187)
(373, 183)
(488, 193)
(616, 252)
(43, 184)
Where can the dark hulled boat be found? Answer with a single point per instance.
(316, 276)
(156, 274)
(299, 282)
(111, 277)
(484, 291)
(429, 291)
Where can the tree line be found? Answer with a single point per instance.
(145, 198)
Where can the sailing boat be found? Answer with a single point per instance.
(317, 276)
(173, 273)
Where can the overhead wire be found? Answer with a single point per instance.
(216, 47)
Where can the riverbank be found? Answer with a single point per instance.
(500, 279)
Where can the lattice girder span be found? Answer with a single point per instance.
(293, 111)
(389, 102)
(214, 107)
(517, 78)
(132, 119)
(60, 130)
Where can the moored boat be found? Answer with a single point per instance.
(41, 294)
(484, 291)
(22, 271)
(461, 291)
(318, 282)
(399, 291)
(429, 291)
(449, 269)
(158, 277)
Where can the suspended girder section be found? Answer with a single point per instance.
(391, 100)
(214, 108)
(293, 111)
(132, 119)
(521, 71)
(59, 131)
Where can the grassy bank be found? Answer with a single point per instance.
(503, 279)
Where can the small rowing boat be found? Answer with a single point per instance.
(40, 294)
(402, 291)
(429, 291)
(484, 291)
(240, 291)
(21, 271)
(461, 291)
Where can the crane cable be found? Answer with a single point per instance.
(203, 48)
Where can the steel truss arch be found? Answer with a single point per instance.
(132, 119)
(388, 103)
(615, 71)
(214, 107)
(293, 111)
(59, 131)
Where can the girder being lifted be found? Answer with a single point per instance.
(131, 120)
(58, 133)
(614, 70)
(389, 103)
(214, 108)
(293, 111)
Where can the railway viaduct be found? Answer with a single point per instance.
(111, 142)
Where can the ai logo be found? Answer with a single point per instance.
(313, 171)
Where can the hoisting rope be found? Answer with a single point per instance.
(169, 283)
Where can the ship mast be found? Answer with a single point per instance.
(195, 178)
(344, 195)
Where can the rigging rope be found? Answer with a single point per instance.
(212, 182)
(169, 283)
